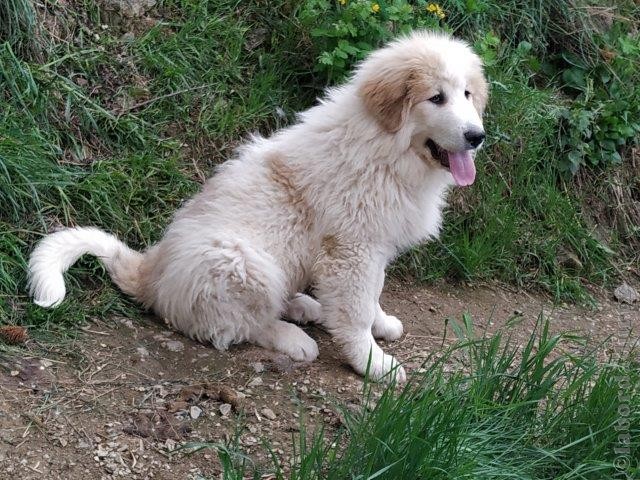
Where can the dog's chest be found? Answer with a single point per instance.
(418, 222)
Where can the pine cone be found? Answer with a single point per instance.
(13, 334)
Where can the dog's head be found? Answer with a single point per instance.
(433, 88)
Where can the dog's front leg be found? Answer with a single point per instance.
(347, 284)
(386, 327)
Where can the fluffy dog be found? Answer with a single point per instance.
(326, 203)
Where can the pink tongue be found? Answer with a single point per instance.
(462, 167)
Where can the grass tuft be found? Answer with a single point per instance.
(19, 26)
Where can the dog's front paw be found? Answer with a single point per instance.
(378, 364)
(287, 338)
(386, 327)
(387, 368)
(297, 344)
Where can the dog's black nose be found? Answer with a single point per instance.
(474, 137)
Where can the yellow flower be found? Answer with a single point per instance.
(375, 8)
(436, 10)
(342, 2)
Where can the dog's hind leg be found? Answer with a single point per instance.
(303, 309)
(234, 293)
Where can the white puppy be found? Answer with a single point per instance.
(326, 203)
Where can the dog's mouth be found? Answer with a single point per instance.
(438, 153)
(460, 164)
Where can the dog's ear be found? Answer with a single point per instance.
(478, 85)
(386, 97)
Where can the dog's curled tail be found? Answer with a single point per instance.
(57, 252)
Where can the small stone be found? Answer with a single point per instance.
(83, 444)
(625, 293)
(225, 409)
(127, 323)
(268, 413)
(250, 440)
(128, 37)
(46, 363)
(174, 345)
(14, 373)
(195, 412)
(256, 382)
(143, 352)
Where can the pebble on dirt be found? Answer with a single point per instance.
(268, 413)
(625, 293)
(195, 412)
(225, 409)
(174, 345)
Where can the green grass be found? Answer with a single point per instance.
(18, 25)
(119, 133)
(509, 411)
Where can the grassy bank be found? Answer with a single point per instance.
(111, 122)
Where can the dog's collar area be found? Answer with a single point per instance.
(438, 153)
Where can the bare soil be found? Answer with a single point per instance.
(126, 396)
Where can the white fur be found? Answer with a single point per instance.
(58, 251)
(326, 203)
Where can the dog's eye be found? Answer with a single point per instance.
(467, 93)
(437, 99)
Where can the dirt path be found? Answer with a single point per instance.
(121, 398)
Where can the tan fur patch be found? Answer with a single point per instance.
(285, 177)
(330, 245)
(146, 293)
(480, 91)
(386, 99)
(390, 96)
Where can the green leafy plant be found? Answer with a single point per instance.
(344, 31)
(604, 117)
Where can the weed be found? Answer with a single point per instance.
(18, 26)
(603, 119)
(345, 31)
